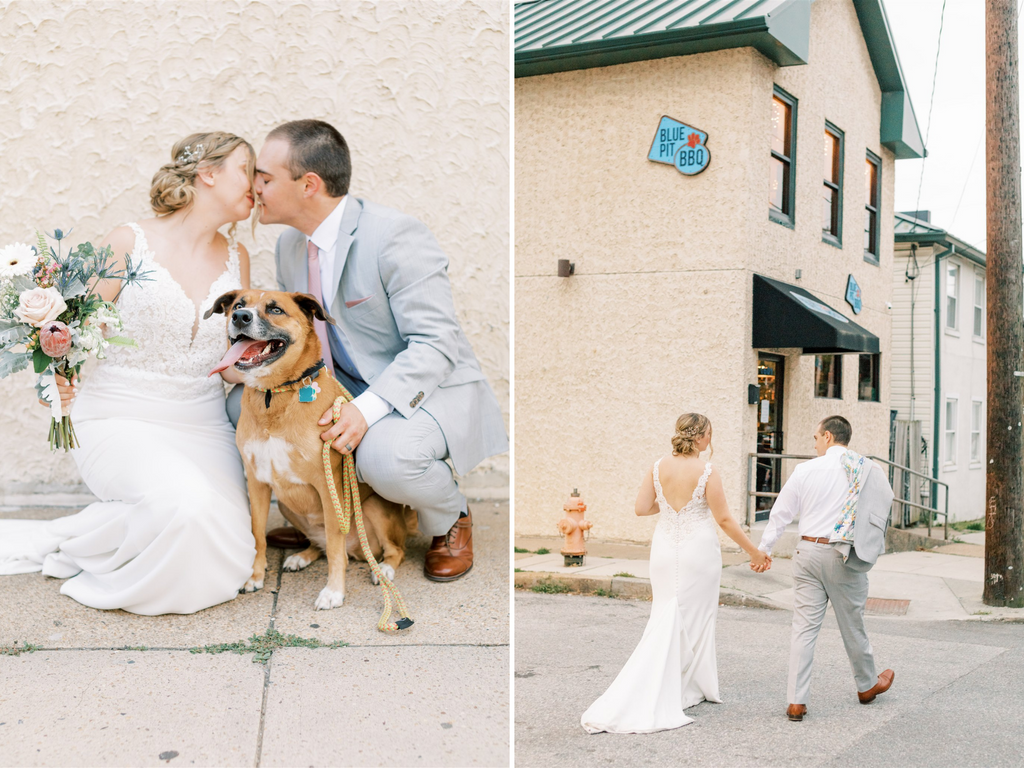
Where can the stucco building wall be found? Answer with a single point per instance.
(657, 319)
(98, 92)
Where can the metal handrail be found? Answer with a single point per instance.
(752, 494)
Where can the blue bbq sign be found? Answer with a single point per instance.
(680, 145)
(853, 296)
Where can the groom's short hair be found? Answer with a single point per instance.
(839, 427)
(317, 147)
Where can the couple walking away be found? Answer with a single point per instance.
(171, 532)
(843, 501)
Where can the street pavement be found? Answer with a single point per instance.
(80, 686)
(957, 700)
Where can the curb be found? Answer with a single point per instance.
(621, 586)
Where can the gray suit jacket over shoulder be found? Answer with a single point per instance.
(403, 334)
(873, 508)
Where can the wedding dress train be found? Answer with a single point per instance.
(171, 532)
(674, 666)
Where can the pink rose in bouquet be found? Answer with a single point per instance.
(55, 339)
(38, 306)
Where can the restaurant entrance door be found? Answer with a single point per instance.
(771, 383)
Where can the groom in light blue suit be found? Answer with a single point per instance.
(420, 396)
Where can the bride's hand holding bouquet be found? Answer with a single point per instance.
(51, 317)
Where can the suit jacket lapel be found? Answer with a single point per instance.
(349, 219)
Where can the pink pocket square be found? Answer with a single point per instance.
(357, 302)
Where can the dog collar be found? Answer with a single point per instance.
(306, 380)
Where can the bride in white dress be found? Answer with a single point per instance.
(171, 532)
(674, 666)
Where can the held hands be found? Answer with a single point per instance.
(68, 392)
(347, 433)
(760, 562)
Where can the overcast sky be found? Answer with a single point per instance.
(954, 172)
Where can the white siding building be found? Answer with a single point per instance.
(938, 371)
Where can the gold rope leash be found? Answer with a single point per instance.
(353, 507)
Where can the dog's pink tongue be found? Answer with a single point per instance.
(233, 355)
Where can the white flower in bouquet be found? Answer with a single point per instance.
(17, 259)
(39, 306)
(108, 317)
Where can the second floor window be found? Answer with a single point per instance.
(832, 211)
(979, 305)
(952, 294)
(781, 169)
(872, 179)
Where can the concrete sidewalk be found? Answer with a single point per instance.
(80, 686)
(943, 583)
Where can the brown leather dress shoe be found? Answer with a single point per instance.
(451, 556)
(287, 537)
(884, 681)
(796, 712)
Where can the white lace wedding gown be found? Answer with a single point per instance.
(674, 665)
(171, 532)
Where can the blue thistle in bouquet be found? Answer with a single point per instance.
(52, 318)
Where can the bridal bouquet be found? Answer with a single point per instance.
(52, 318)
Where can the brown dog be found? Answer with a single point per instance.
(273, 344)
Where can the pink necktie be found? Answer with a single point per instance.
(317, 291)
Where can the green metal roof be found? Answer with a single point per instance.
(907, 229)
(562, 35)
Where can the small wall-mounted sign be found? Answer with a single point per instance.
(680, 145)
(853, 296)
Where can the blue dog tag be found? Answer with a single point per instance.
(308, 393)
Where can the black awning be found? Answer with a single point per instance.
(788, 316)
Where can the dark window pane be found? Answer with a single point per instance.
(826, 220)
(828, 376)
(867, 388)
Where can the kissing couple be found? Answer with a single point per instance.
(843, 500)
(171, 532)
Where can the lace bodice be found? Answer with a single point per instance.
(160, 317)
(694, 516)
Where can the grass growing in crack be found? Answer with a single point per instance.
(543, 551)
(263, 646)
(624, 574)
(550, 588)
(134, 648)
(599, 592)
(521, 551)
(518, 570)
(17, 650)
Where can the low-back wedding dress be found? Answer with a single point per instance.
(171, 532)
(674, 665)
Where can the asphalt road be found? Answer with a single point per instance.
(958, 697)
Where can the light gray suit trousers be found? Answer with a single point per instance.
(820, 575)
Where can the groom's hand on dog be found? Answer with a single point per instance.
(346, 434)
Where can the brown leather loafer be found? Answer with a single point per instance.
(287, 537)
(451, 556)
(884, 681)
(796, 712)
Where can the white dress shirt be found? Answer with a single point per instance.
(325, 237)
(816, 491)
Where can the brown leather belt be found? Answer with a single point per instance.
(819, 540)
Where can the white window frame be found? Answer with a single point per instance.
(976, 429)
(949, 435)
(954, 315)
(979, 278)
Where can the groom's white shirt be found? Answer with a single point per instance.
(325, 237)
(816, 491)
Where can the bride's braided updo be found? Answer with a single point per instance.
(173, 186)
(690, 427)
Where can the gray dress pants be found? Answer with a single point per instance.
(820, 575)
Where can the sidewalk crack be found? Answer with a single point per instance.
(269, 664)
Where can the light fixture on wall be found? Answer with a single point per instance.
(566, 268)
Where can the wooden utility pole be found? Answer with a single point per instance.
(1004, 483)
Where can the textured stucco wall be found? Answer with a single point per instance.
(96, 93)
(656, 320)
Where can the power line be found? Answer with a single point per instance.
(931, 102)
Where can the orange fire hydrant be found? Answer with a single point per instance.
(572, 527)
